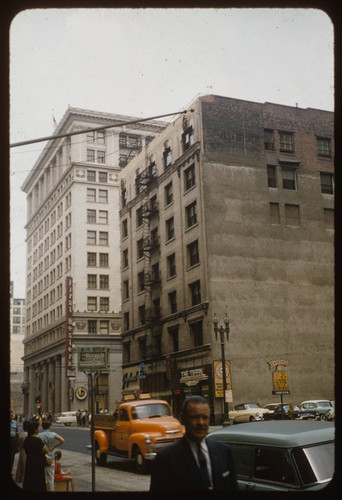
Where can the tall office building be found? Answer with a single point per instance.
(17, 332)
(73, 297)
(230, 210)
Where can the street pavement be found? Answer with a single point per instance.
(118, 475)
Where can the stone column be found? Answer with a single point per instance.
(45, 387)
(51, 385)
(32, 390)
(57, 408)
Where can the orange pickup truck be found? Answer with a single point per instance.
(137, 430)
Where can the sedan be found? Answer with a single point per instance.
(66, 418)
(317, 407)
(247, 412)
(289, 455)
(286, 412)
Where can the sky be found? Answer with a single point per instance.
(147, 62)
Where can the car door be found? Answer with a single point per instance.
(122, 432)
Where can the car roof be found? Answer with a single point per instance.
(316, 401)
(139, 402)
(287, 433)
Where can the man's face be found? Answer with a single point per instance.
(196, 421)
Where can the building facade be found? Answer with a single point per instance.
(230, 210)
(73, 297)
(17, 328)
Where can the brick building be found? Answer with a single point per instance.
(230, 210)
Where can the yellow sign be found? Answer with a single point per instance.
(280, 382)
(218, 378)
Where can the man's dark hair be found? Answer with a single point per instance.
(32, 428)
(195, 399)
(46, 424)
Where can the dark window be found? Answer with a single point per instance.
(196, 332)
(142, 348)
(126, 321)
(141, 312)
(271, 176)
(195, 289)
(327, 183)
(91, 216)
(140, 248)
(171, 265)
(124, 228)
(156, 308)
(289, 178)
(167, 155)
(175, 339)
(168, 194)
(124, 197)
(273, 465)
(269, 140)
(141, 281)
(189, 177)
(126, 352)
(91, 175)
(193, 254)
(91, 258)
(286, 143)
(323, 147)
(92, 326)
(170, 229)
(104, 260)
(104, 281)
(125, 290)
(92, 279)
(125, 258)
(173, 302)
(139, 216)
(187, 138)
(191, 214)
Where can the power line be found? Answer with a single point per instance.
(58, 136)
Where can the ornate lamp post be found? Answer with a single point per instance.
(222, 331)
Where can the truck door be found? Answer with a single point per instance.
(123, 430)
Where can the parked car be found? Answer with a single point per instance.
(286, 412)
(66, 418)
(290, 455)
(247, 412)
(318, 407)
(331, 414)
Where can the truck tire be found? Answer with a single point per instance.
(101, 458)
(141, 464)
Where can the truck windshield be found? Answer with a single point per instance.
(150, 411)
(315, 463)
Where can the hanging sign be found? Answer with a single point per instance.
(69, 371)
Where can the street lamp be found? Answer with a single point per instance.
(223, 330)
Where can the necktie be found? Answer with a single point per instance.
(203, 467)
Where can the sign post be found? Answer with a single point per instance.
(91, 361)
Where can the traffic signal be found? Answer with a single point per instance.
(37, 399)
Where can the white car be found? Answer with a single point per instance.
(247, 412)
(67, 418)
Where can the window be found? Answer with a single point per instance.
(274, 213)
(273, 465)
(104, 260)
(196, 333)
(91, 155)
(103, 238)
(124, 228)
(100, 158)
(92, 281)
(286, 143)
(173, 302)
(91, 216)
(142, 347)
(156, 308)
(104, 327)
(174, 338)
(191, 214)
(269, 140)
(155, 272)
(141, 313)
(141, 282)
(92, 304)
(103, 176)
(125, 258)
(123, 197)
(126, 321)
(171, 265)
(323, 146)
(193, 253)
(271, 176)
(126, 352)
(104, 304)
(168, 194)
(104, 281)
(170, 229)
(139, 216)
(91, 194)
(189, 177)
(91, 175)
(92, 326)
(195, 290)
(91, 237)
(103, 217)
(103, 195)
(96, 136)
(140, 248)
(292, 215)
(125, 290)
(289, 178)
(167, 156)
(327, 183)
(187, 138)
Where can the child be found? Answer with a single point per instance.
(59, 474)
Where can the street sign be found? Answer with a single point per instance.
(280, 383)
(92, 359)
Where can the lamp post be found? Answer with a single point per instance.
(222, 331)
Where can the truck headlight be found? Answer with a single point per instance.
(148, 439)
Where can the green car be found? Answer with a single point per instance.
(286, 455)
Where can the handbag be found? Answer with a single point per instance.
(48, 461)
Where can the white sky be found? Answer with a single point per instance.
(145, 62)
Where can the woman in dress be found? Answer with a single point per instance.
(19, 476)
(34, 479)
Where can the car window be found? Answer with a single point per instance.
(315, 463)
(124, 415)
(239, 407)
(273, 465)
(243, 457)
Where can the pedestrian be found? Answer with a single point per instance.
(49, 438)
(194, 463)
(34, 478)
(14, 433)
(19, 475)
(78, 417)
(62, 475)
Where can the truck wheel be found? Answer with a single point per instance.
(101, 458)
(139, 460)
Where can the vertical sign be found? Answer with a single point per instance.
(69, 372)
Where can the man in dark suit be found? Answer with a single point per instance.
(194, 463)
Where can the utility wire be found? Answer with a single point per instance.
(58, 136)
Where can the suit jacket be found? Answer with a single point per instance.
(175, 468)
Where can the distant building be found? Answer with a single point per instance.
(17, 326)
(230, 210)
(73, 296)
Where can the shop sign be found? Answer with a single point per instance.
(218, 378)
(69, 370)
(192, 377)
(279, 376)
(81, 393)
(92, 359)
